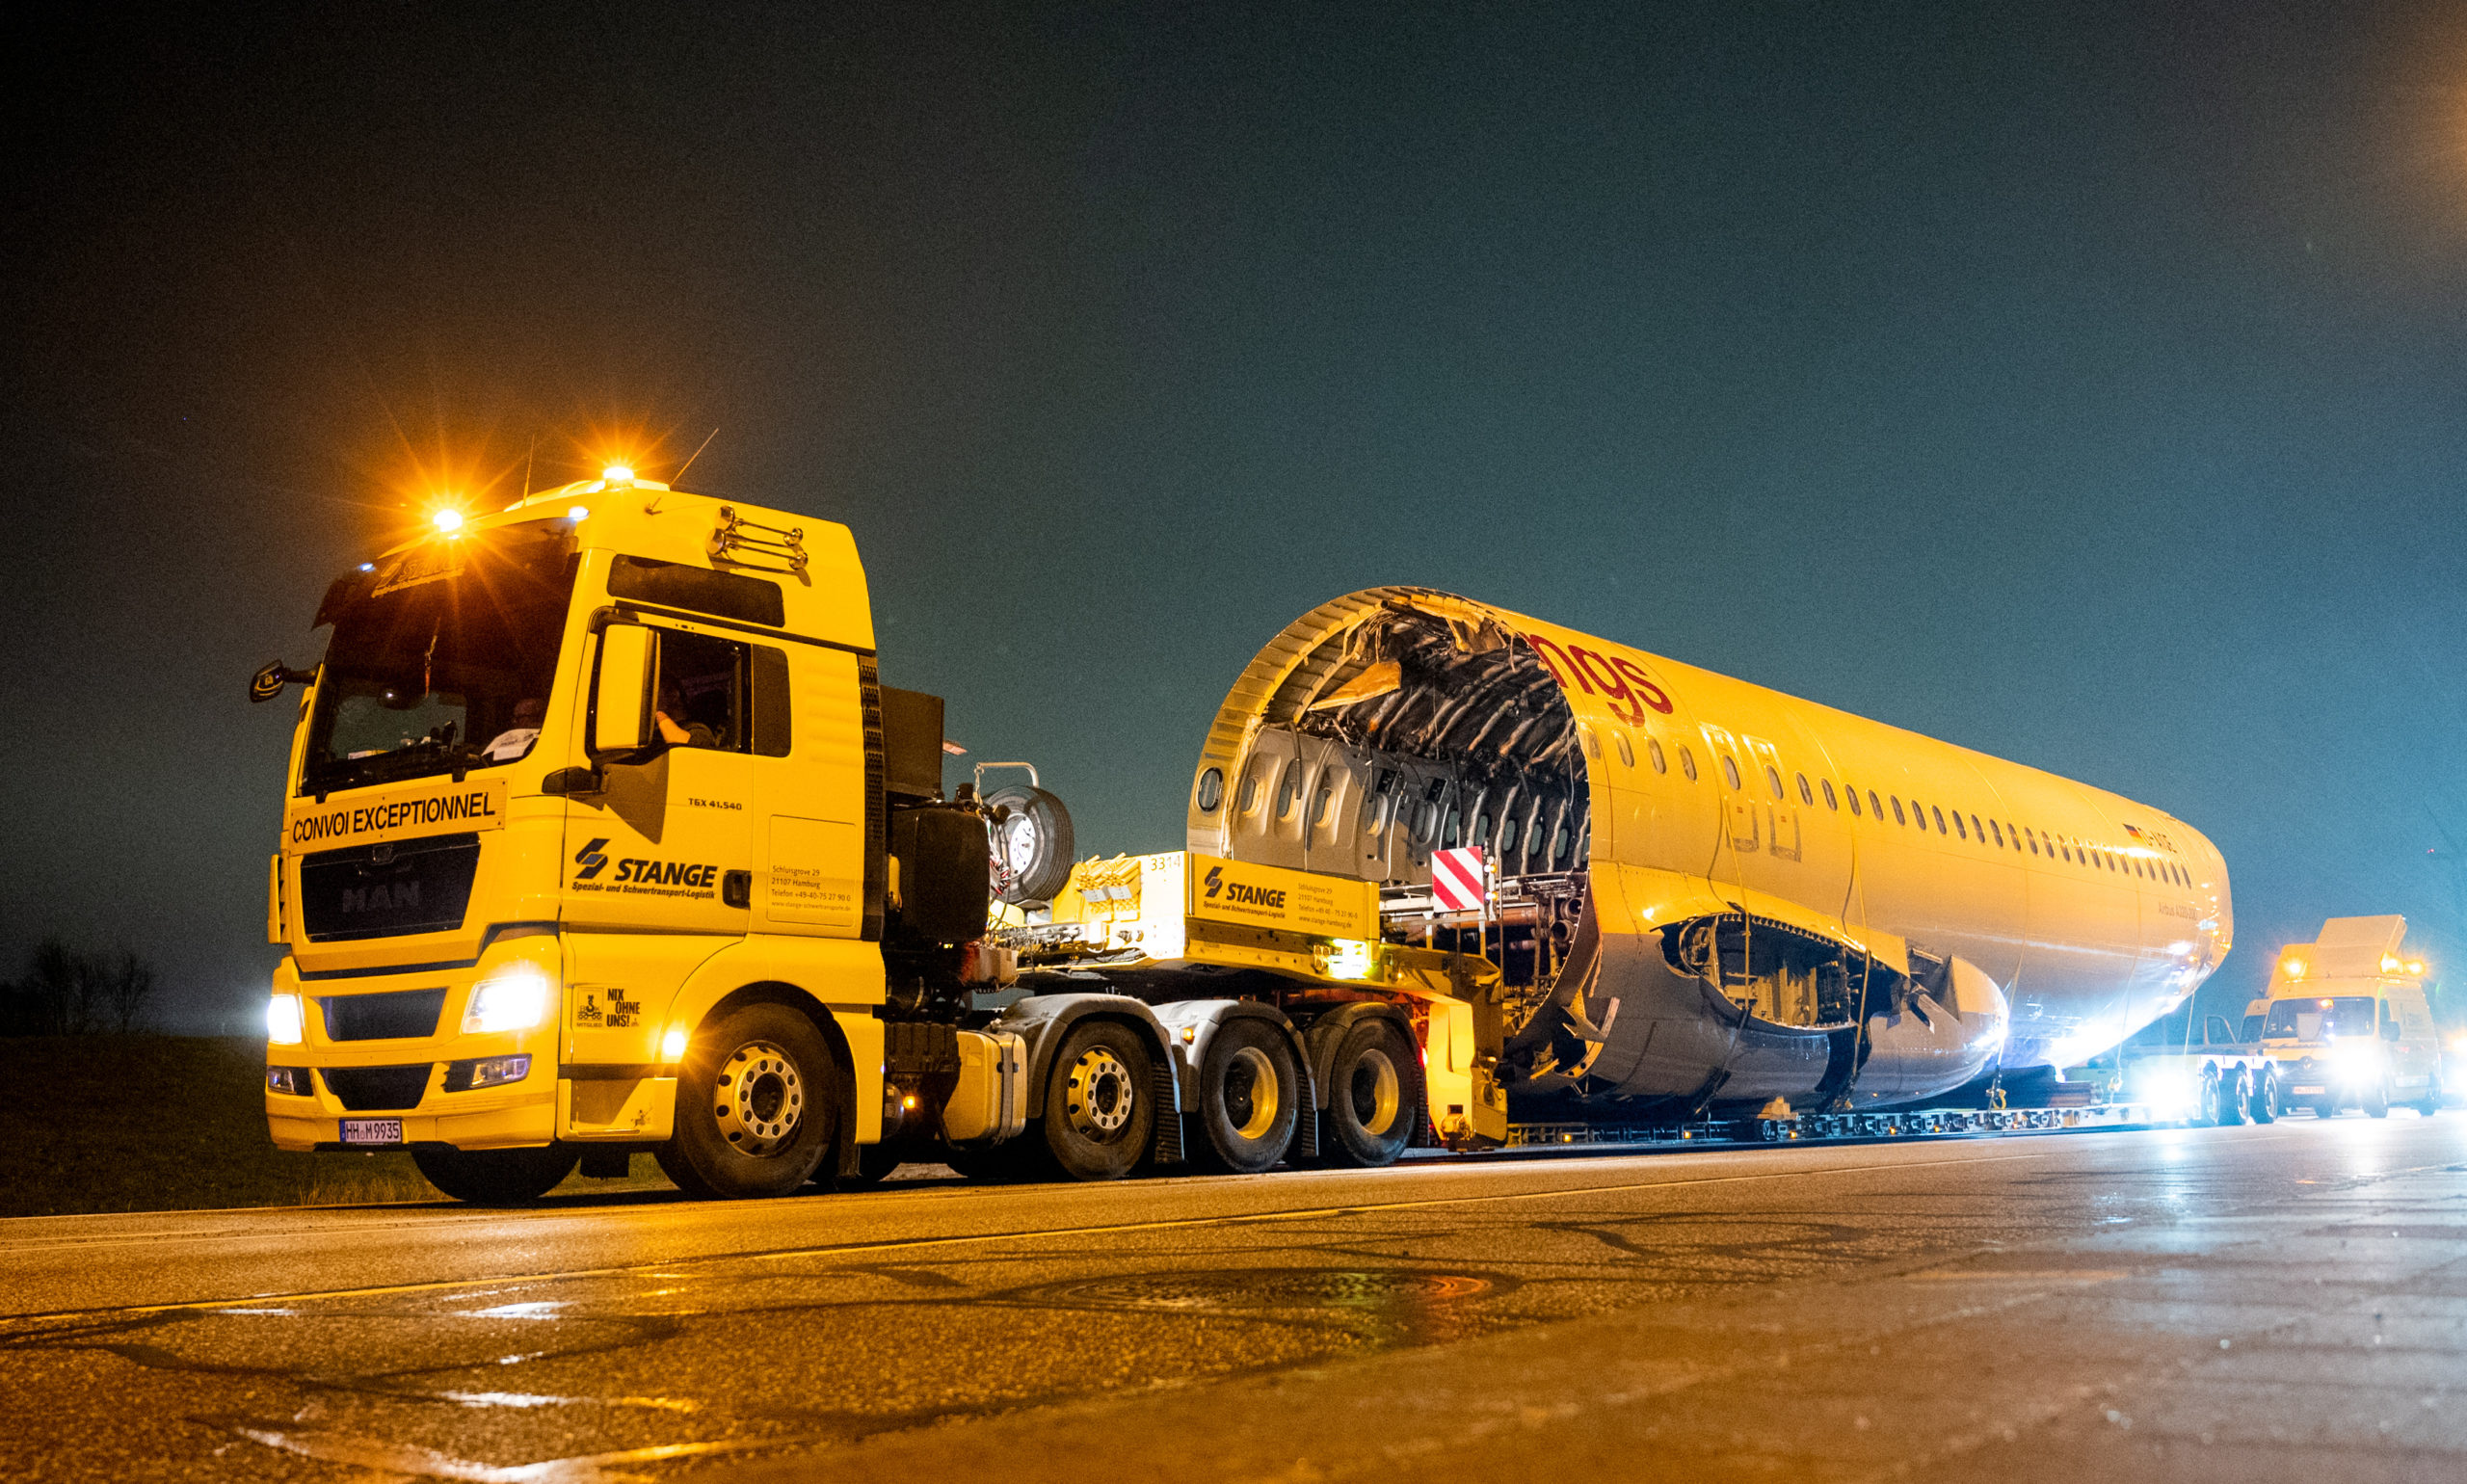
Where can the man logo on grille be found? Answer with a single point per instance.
(590, 859)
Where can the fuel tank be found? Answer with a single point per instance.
(1704, 894)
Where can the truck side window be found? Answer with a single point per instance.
(700, 589)
(768, 680)
(702, 689)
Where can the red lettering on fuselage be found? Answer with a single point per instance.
(1621, 681)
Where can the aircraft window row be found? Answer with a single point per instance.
(2002, 833)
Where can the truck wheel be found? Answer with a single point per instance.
(1098, 1115)
(2431, 1102)
(497, 1177)
(1374, 1096)
(1033, 840)
(2324, 1107)
(2205, 1103)
(1248, 1098)
(2234, 1097)
(2376, 1099)
(757, 1105)
(2265, 1104)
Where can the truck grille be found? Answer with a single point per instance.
(396, 1015)
(385, 889)
(377, 1089)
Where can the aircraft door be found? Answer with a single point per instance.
(665, 845)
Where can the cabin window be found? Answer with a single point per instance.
(1288, 789)
(1211, 791)
(1730, 771)
(1998, 832)
(1687, 762)
(1896, 810)
(1833, 803)
(1773, 779)
(1940, 818)
(1661, 764)
(1957, 825)
(1807, 795)
(1854, 800)
(1592, 743)
(1976, 830)
(1249, 798)
(1875, 806)
(1627, 753)
(2034, 843)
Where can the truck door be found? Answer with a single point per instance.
(809, 767)
(666, 846)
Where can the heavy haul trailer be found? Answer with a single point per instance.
(700, 890)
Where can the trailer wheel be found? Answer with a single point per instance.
(1032, 841)
(2265, 1104)
(1098, 1115)
(757, 1106)
(497, 1177)
(1248, 1098)
(1374, 1096)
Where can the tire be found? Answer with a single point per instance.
(1033, 839)
(758, 1103)
(497, 1177)
(2376, 1099)
(1374, 1096)
(2264, 1105)
(2235, 1098)
(1100, 1109)
(1250, 1098)
(2211, 1106)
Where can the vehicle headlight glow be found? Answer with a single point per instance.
(285, 1021)
(513, 1000)
(2356, 1058)
(2168, 1088)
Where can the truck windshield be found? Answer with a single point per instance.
(2318, 1020)
(441, 661)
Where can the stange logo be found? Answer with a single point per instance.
(590, 859)
(1240, 892)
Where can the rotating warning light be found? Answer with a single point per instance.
(2295, 968)
(616, 474)
(449, 520)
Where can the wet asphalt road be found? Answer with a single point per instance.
(2246, 1303)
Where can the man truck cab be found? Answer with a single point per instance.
(2348, 1024)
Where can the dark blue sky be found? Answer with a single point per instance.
(2080, 384)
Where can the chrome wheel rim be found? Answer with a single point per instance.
(1249, 1093)
(1375, 1092)
(759, 1099)
(1097, 1096)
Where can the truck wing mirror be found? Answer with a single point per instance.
(269, 683)
(620, 703)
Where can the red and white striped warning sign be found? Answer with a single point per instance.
(1457, 878)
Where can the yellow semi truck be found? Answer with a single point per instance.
(603, 837)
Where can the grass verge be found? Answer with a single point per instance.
(175, 1123)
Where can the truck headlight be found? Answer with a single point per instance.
(513, 1000)
(2356, 1058)
(285, 1021)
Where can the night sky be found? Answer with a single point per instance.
(2079, 384)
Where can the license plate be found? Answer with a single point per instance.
(372, 1130)
(2309, 1092)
